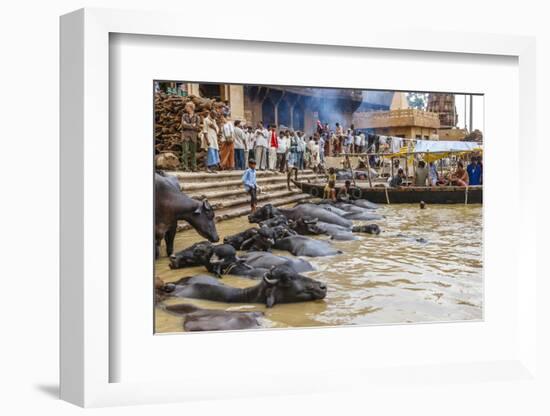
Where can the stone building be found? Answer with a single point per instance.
(444, 105)
(298, 108)
(399, 120)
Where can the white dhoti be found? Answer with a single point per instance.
(272, 158)
(261, 157)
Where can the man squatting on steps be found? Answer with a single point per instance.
(249, 182)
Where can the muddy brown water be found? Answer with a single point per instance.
(385, 279)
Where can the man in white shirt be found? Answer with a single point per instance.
(358, 147)
(260, 146)
(249, 144)
(240, 146)
(314, 151)
(281, 152)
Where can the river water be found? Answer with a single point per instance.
(425, 266)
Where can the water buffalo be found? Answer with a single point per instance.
(267, 237)
(237, 240)
(262, 240)
(275, 221)
(279, 285)
(172, 205)
(187, 257)
(222, 259)
(198, 319)
(350, 211)
(217, 258)
(299, 211)
(363, 203)
(264, 213)
(214, 257)
(305, 246)
(369, 229)
(312, 226)
(265, 261)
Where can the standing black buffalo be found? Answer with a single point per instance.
(172, 205)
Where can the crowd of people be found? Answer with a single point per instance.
(231, 143)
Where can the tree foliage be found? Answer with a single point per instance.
(418, 100)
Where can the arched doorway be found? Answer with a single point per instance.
(284, 113)
(268, 112)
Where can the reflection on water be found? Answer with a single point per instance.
(425, 266)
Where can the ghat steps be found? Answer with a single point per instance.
(224, 191)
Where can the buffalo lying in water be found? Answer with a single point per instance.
(350, 211)
(312, 226)
(222, 259)
(172, 205)
(279, 285)
(300, 211)
(188, 257)
(237, 240)
(368, 229)
(305, 246)
(283, 238)
(263, 260)
(198, 319)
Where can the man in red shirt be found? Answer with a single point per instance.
(273, 145)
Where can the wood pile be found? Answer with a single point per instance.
(168, 111)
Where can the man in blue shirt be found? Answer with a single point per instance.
(475, 172)
(249, 182)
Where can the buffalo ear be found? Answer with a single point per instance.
(270, 298)
(206, 204)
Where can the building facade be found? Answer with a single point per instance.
(298, 108)
(407, 123)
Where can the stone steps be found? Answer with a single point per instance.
(235, 191)
(214, 182)
(245, 199)
(224, 190)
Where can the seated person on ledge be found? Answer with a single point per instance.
(460, 176)
(344, 194)
(361, 163)
(330, 192)
(397, 180)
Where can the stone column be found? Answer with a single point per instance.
(193, 89)
(236, 100)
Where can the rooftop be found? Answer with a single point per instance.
(399, 118)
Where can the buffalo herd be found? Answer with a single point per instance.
(248, 253)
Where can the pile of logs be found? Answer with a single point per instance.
(168, 112)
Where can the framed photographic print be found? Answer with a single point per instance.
(230, 198)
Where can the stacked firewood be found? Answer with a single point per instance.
(168, 112)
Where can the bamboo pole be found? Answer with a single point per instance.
(368, 173)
